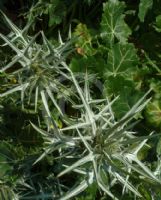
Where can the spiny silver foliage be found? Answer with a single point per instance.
(110, 152)
(101, 150)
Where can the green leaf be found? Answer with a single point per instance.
(158, 24)
(158, 21)
(121, 60)
(125, 102)
(90, 193)
(125, 89)
(113, 24)
(114, 85)
(57, 11)
(84, 42)
(93, 64)
(153, 113)
(144, 6)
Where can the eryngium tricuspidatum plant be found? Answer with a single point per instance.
(94, 147)
(98, 148)
(35, 68)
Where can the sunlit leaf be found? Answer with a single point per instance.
(122, 60)
(144, 6)
(113, 24)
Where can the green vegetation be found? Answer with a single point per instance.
(80, 111)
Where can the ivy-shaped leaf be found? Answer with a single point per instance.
(114, 85)
(113, 24)
(93, 64)
(125, 88)
(144, 6)
(121, 60)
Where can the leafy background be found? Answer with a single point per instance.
(117, 41)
